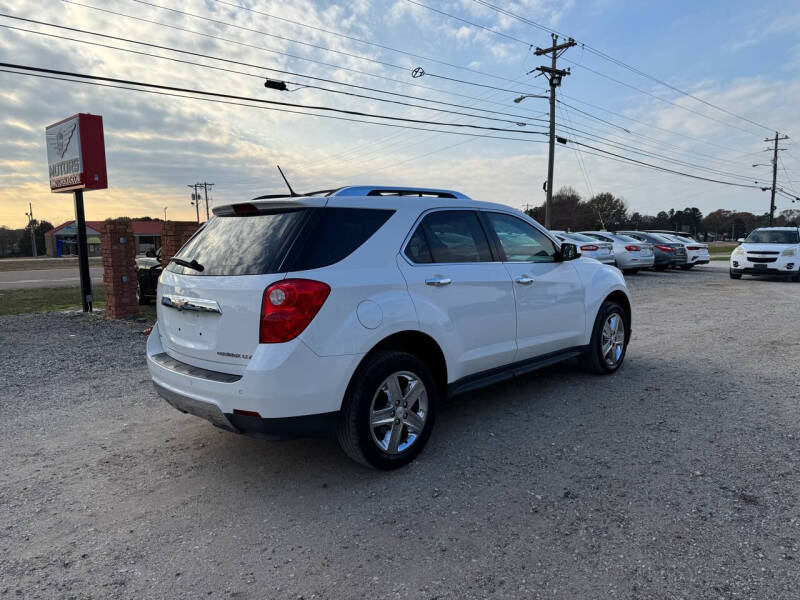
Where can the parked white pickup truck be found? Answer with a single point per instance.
(768, 251)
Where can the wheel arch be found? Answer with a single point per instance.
(419, 344)
(622, 299)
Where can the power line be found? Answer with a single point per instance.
(599, 151)
(261, 100)
(296, 41)
(529, 45)
(655, 141)
(634, 120)
(363, 41)
(650, 154)
(261, 77)
(624, 65)
(650, 94)
(621, 146)
(219, 98)
(578, 157)
(660, 168)
(237, 62)
(255, 47)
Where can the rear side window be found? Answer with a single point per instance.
(332, 235)
(250, 245)
(417, 249)
(453, 236)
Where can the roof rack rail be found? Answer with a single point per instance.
(374, 190)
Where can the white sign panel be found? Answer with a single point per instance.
(64, 158)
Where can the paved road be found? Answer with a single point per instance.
(38, 278)
(676, 478)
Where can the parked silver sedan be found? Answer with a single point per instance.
(696, 252)
(587, 246)
(629, 253)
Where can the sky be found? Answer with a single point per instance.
(740, 61)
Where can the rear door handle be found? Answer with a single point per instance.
(439, 281)
(524, 280)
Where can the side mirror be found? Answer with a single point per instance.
(150, 253)
(740, 240)
(569, 252)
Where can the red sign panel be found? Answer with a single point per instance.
(76, 154)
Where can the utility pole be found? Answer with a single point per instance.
(195, 198)
(205, 189)
(554, 76)
(33, 232)
(774, 173)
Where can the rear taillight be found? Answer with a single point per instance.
(632, 248)
(589, 248)
(665, 248)
(694, 247)
(287, 308)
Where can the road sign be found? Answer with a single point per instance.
(76, 156)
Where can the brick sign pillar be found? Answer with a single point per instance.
(174, 235)
(118, 247)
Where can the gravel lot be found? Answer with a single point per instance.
(677, 477)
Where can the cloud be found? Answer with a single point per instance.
(156, 145)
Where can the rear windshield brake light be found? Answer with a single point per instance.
(245, 209)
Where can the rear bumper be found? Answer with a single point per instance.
(634, 262)
(319, 425)
(281, 381)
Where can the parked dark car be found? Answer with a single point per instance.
(667, 252)
(148, 269)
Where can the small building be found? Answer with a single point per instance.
(63, 240)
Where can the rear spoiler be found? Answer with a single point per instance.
(259, 207)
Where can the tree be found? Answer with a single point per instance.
(790, 217)
(609, 211)
(9, 240)
(39, 229)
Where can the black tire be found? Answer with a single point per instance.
(593, 360)
(140, 298)
(735, 275)
(630, 271)
(660, 267)
(686, 267)
(796, 276)
(355, 434)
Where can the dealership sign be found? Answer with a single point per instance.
(76, 156)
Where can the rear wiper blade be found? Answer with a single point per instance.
(193, 264)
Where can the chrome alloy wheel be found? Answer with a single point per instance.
(398, 412)
(613, 339)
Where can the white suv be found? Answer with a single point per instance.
(356, 311)
(768, 251)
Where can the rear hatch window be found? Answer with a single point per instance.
(276, 242)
